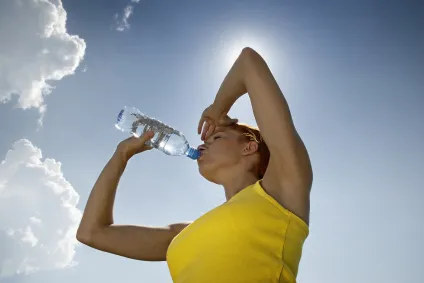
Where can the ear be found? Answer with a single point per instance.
(250, 148)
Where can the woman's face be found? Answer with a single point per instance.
(221, 151)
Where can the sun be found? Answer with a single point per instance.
(232, 47)
(232, 51)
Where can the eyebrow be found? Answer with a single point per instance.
(225, 129)
(220, 130)
(217, 132)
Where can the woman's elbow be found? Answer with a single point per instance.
(85, 236)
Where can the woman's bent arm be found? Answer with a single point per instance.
(97, 229)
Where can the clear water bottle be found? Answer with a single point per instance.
(166, 139)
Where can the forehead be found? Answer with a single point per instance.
(225, 130)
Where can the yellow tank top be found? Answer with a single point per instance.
(250, 238)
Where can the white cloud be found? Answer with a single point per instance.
(122, 20)
(38, 214)
(35, 48)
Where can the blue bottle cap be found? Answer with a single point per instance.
(193, 153)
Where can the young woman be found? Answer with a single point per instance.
(257, 235)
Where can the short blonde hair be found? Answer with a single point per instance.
(253, 134)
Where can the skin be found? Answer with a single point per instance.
(288, 178)
(225, 155)
(226, 160)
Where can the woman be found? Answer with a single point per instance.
(258, 234)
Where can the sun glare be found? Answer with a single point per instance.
(232, 52)
(233, 47)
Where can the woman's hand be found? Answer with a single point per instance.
(132, 146)
(212, 117)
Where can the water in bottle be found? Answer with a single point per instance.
(166, 139)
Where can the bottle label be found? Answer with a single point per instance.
(118, 119)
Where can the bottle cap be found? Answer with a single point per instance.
(193, 153)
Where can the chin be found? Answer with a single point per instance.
(207, 171)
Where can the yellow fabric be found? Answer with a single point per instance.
(250, 238)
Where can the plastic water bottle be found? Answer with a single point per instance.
(166, 139)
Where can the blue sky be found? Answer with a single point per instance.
(352, 72)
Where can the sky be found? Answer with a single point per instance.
(351, 71)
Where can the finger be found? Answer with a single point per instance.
(141, 141)
(147, 136)
(205, 130)
(210, 131)
(199, 127)
(201, 124)
(143, 148)
(229, 122)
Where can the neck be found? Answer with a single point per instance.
(237, 182)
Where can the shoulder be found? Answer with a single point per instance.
(293, 196)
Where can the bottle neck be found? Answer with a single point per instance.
(192, 153)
